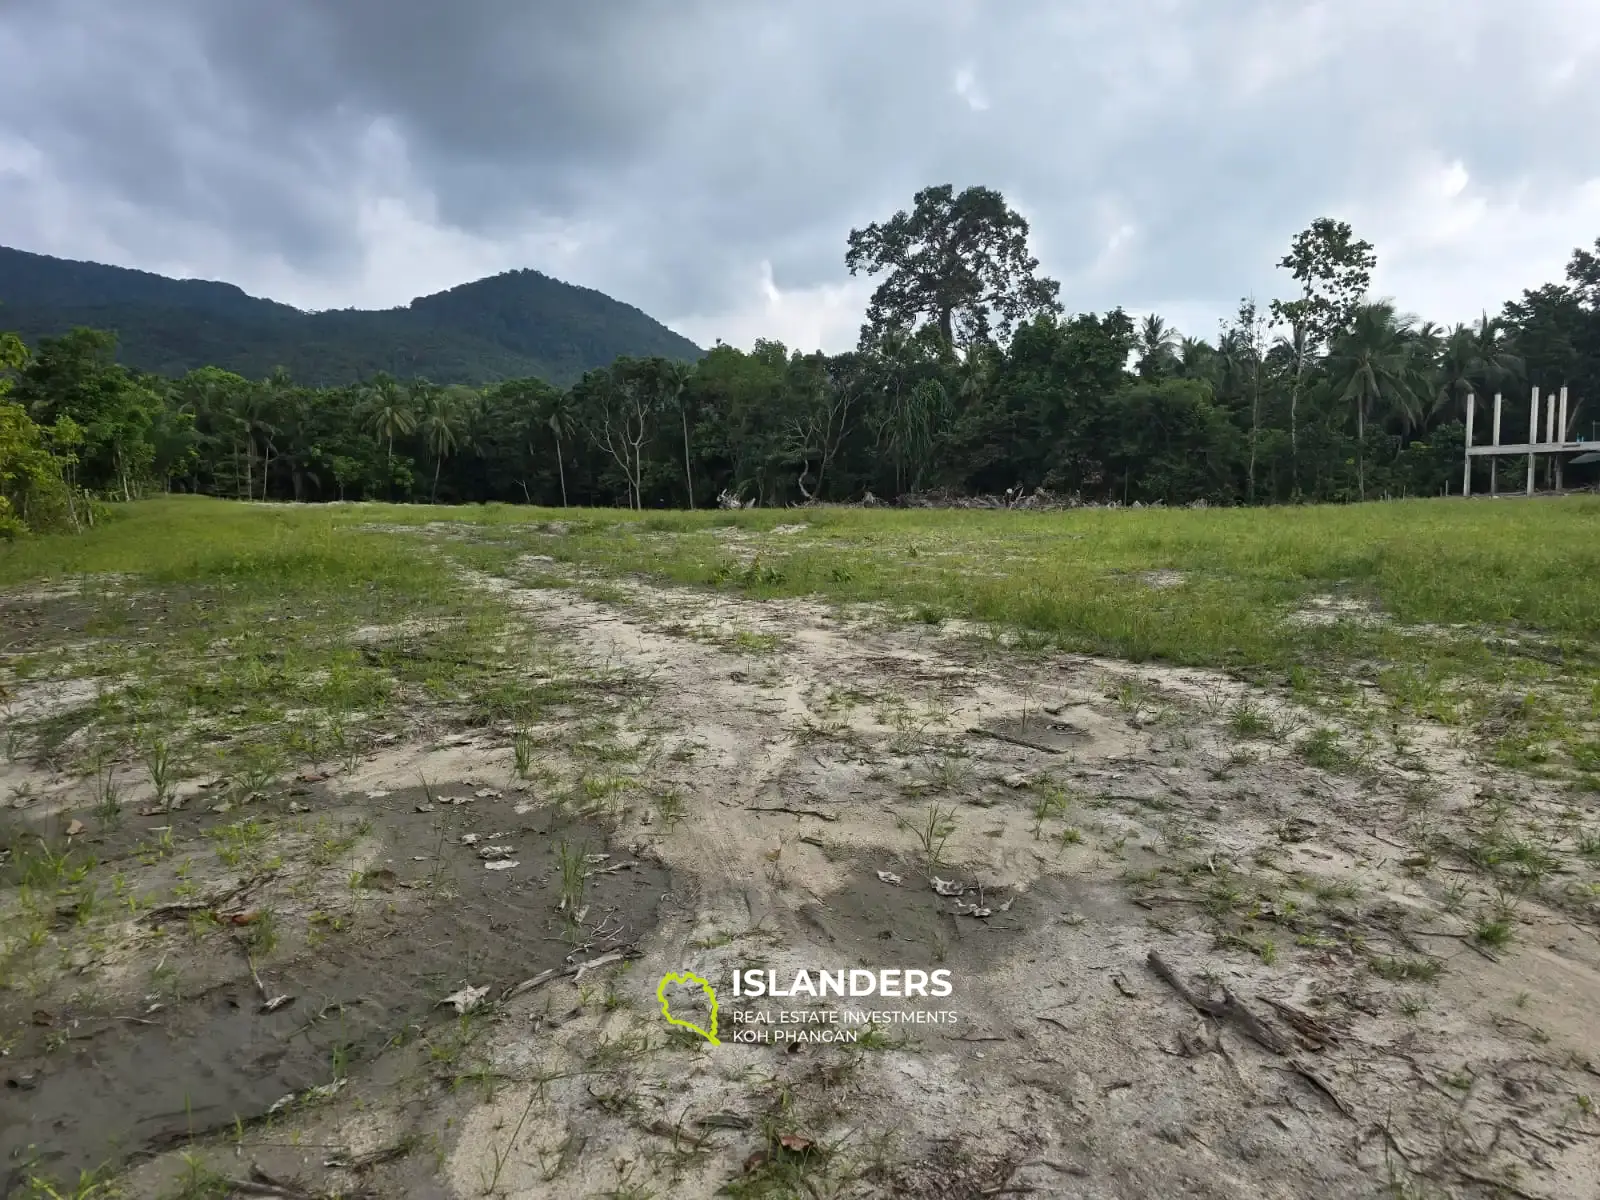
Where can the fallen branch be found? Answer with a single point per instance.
(1231, 1008)
(184, 907)
(1226, 1009)
(373, 1158)
(178, 909)
(627, 866)
(1315, 1032)
(795, 812)
(575, 972)
(1013, 739)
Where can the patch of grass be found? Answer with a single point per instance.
(1494, 932)
(89, 1185)
(1409, 970)
(1322, 749)
(1059, 581)
(671, 809)
(241, 841)
(755, 643)
(257, 642)
(1247, 720)
(1428, 565)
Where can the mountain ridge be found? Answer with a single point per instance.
(514, 324)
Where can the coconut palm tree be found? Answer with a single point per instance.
(562, 422)
(1374, 365)
(1476, 361)
(442, 418)
(675, 378)
(388, 414)
(1196, 359)
(1157, 346)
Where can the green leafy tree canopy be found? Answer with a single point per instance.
(957, 262)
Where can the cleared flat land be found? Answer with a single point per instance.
(347, 846)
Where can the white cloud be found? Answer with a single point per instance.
(966, 85)
(706, 165)
(1449, 249)
(804, 319)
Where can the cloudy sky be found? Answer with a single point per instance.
(705, 159)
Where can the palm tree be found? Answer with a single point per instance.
(254, 422)
(1196, 358)
(1475, 361)
(277, 387)
(1157, 347)
(1454, 377)
(1374, 365)
(1427, 340)
(388, 414)
(442, 416)
(675, 378)
(561, 421)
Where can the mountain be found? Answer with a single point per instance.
(508, 326)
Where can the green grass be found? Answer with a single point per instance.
(230, 635)
(1434, 561)
(1510, 567)
(1454, 582)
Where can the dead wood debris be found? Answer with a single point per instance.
(793, 812)
(575, 972)
(1015, 740)
(213, 904)
(1231, 1008)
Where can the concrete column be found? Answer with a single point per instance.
(1533, 436)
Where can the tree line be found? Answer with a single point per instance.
(968, 376)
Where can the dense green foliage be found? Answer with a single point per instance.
(1335, 397)
(517, 324)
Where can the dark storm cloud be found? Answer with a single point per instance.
(1164, 150)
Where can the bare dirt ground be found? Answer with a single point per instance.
(1202, 942)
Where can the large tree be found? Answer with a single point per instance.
(957, 262)
(1333, 268)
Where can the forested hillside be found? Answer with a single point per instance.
(508, 326)
(968, 376)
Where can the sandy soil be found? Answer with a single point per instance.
(1189, 956)
(1075, 1069)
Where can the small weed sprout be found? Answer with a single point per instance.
(1132, 696)
(671, 809)
(932, 832)
(522, 752)
(158, 763)
(573, 875)
(107, 795)
(1053, 802)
